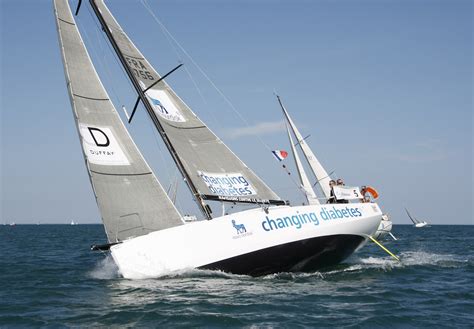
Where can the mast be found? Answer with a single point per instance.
(205, 209)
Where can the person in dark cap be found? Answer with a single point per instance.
(332, 198)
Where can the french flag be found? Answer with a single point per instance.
(280, 154)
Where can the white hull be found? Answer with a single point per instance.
(256, 243)
(422, 224)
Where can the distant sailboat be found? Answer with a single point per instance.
(73, 223)
(416, 222)
(147, 236)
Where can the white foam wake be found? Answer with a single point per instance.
(407, 259)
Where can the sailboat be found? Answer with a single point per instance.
(416, 222)
(147, 236)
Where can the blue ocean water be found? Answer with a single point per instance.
(49, 278)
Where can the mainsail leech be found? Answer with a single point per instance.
(211, 170)
(131, 200)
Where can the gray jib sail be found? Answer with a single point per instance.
(215, 171)
(131, 200)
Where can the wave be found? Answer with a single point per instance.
(414, 258)
(407, 259)
(106, 268)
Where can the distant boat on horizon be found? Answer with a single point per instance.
(73, 222)
(416, 222)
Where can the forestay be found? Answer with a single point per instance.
(215, 172)
(131, 200)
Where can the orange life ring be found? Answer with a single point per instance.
(372, 191)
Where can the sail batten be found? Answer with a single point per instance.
(211, 170)
(131, 200)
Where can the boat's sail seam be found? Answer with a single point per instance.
(115, 174)
(178, 127)
(92, 98)
(134, 57)
(64, 21)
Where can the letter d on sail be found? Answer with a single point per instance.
(98, 138)
(101, 147)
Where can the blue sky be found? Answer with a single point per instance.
(383, 87)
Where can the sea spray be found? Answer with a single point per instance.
(105, 269)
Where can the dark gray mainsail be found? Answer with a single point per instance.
(131, 200)
(210, 168)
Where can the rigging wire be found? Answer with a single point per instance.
(174, 44)
(101, 57)
(93, 17)
(170, 39)
(220, 92)
(167, 167)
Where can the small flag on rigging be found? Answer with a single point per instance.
(280, 155)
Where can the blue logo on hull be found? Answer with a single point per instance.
(240, 228)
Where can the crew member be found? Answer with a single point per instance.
(340, 182)
(332, 198)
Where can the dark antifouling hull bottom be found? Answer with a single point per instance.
(303, 256)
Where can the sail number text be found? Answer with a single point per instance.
(139, 69)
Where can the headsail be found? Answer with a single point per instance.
(210, 168)
(318, 170)
(131, 200)
(305, 184)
